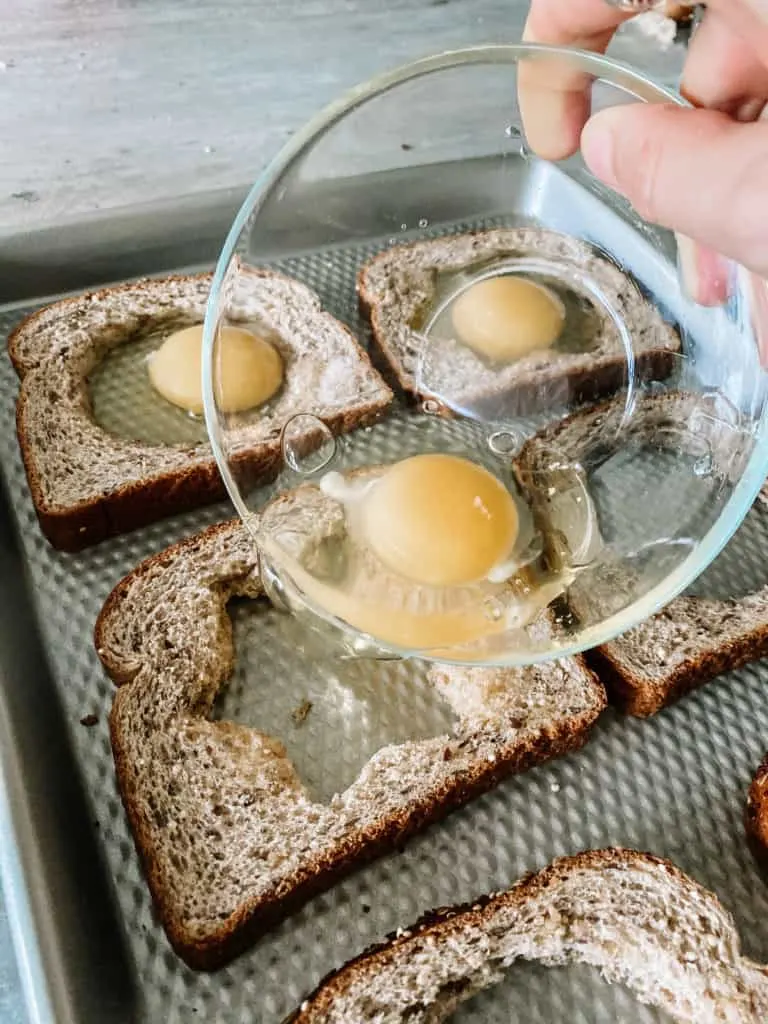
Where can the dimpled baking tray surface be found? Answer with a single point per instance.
(674, 785)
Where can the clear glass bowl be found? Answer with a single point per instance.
(582, 436)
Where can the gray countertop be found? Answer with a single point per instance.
(109, 103)
(106, 104)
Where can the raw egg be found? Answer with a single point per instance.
(505, 318)
(250, 370)
(429, 553)
(440, 520)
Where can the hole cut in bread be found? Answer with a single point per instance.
(230, 836)
(87, 483)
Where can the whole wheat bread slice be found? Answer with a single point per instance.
(692, 640)
(88, 484)
(398, 287)
(682, 647)
(636, 918)
(686, 421)
(757, 810)
(229, 837)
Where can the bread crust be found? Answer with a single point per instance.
(589, 381)
(642, 697)
(469, 770)
(735, 632)
(442, 927)
(191, 478)
(757, 811)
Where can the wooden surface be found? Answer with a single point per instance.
(105, 104)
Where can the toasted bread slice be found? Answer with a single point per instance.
(400, 287)
(685, 645)
(229, 836)
(693, 639)
(757, 809)
(638, 919)
(88, 484)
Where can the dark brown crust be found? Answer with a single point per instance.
(441, 924)
(130, 507)
(252, 919)
(240, 931)
(139, 503)
(146, 501)
(99, 293)
(585, 383)
(641, 697)
(757, 812)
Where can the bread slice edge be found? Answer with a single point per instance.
(361, 845)
(442, 926)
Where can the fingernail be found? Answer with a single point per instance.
(597, 149)
(750, 110)
(704, 274)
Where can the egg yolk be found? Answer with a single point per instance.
(505, 318)
(440, 520)
(249, 370)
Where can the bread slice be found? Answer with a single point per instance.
(692, 640)
(636, 918)
(88, 484)
(685, 645)
(757, 810)
(229, 837)
(684, 421)
(399, 288)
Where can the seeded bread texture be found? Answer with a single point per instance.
(397, 287)
(636, 918)
(757, 810)
(685, 645)
(229, 837)
(88, 484)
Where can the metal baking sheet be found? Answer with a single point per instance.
(92, 949)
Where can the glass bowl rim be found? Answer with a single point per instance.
(614, 72)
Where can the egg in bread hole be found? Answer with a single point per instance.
(499, 340)
(508, 310)
(249, 369)
(150, 388)
(431, 553)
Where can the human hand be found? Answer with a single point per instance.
(701, 173)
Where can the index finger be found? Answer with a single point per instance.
(554, 98)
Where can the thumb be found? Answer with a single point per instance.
(696, 172)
